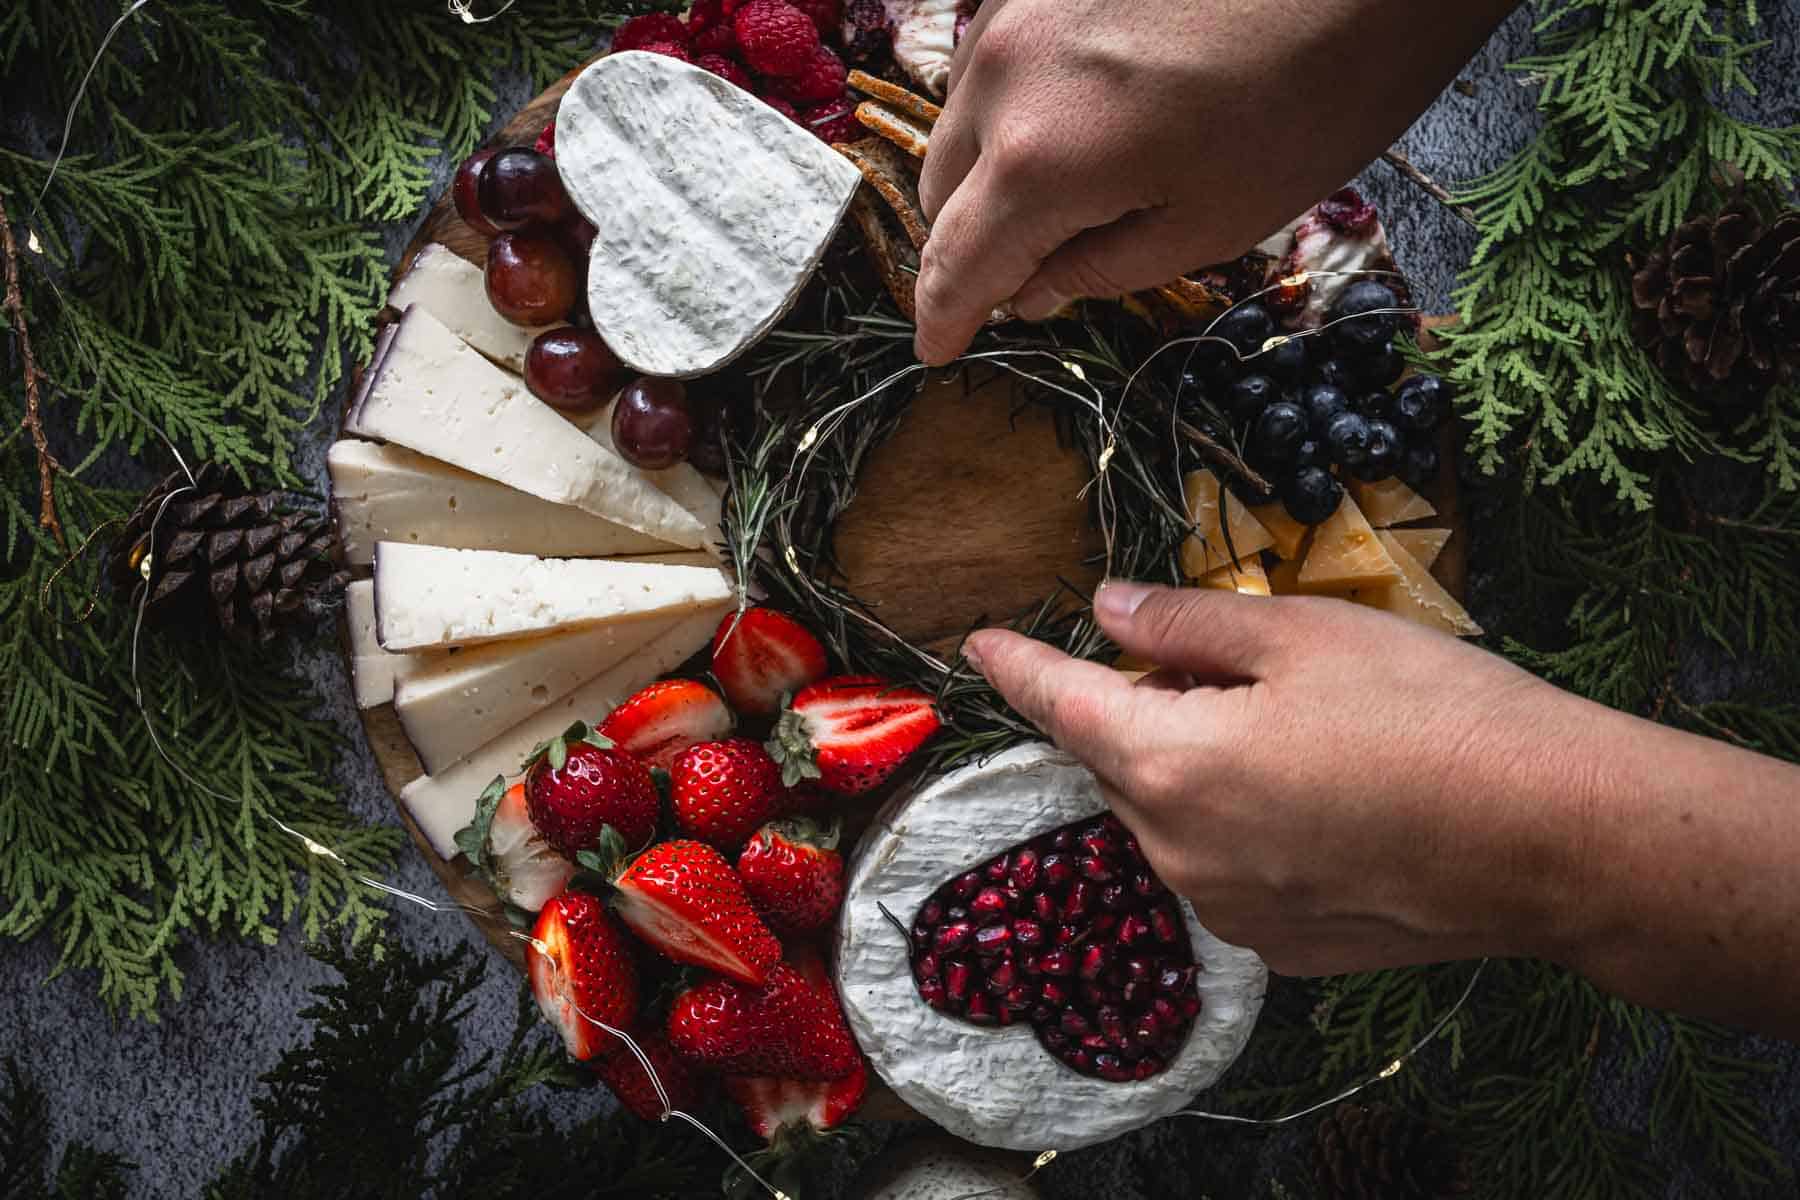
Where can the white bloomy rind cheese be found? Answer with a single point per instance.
(454, 290)
(999, 1087)
(712, 208)
(392, 494)
(925, 39)
(429, 391)
(372, 669)
(431, 597)
(443, 803)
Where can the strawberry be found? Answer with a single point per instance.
(794, 874)
(620, 1070)
(760, 655)
(851, 732)
(578, 785)
(684, 899)
(787, 1112)
(786, 1027)
(721, 791)
(666, 718)
(506, 849)
(581, 973)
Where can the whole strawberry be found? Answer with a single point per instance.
(787, 1113)
(684, 899)
(657, 723)
(851, 733)
(786, 1028)
(794, 874)
(761, 656)
(581, 973)
(620, 1070)
(721, 791)
(579, 784)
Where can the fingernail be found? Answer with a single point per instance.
(1038, 307)
(971, 652)
(1118, 599)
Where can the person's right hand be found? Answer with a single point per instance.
(1093, 147)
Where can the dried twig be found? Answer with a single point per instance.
(1398, 160)
(47, 464)
(1222, 456)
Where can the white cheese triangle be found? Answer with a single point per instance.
(454, 702)
(372, 669)
(712, 208)
(392, 494)
(682, 483)
(428, 391)
(430, 597)
(454, 290)
(442, 804)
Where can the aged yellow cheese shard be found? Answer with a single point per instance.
(1131, 662)
(1423, 544)
(1284, 580)
(1390, 502)
(1418, 597)
(1207, 548)
(1247, 578)
(1346, 554)
(1289, 534)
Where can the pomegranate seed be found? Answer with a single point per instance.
(1003, 1015)
(1137, 967)
(1164, 1013)
(953, 936)
(1131, 1049)
(1114, 896)
(1096, 1042)
(1015, 899)
(1073, 1023)
(930, 914)
(1146, 1067)
(996, 870)
(1135, 991)
(1093, 995)
(1098, 843)
(1002, 977)
(1025, 870)
(1115, 978)
(980, 1010)
(1105, 923)
(965, 885)
(1044, 905)
(1075, 905)
(1131, 847)
(989, 904)
(1132, 929)
(1054, 1039)
(1169, 980)
(1028, 963)
(1112, 1022)
(1110, 1068)
(1093, 961)
(1145, 884)
(1062, 839)
(991, 939)
(956, 978)
(956, 912)
(1190, 1007)
(1163, 921)
(1095, 868)
(932, 992)
(1021, 996)
(1057, 962)
(1054, 993)
(1043, 1016)
(1065, 934)
(925, 966)
(1146, 1030)
(1056, 870)
(1081, 1060)
(1027, 933)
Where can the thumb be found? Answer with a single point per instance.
(1089, 710)
(1124, 256)
(1214, 635)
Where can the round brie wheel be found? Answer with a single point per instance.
(998, 1086)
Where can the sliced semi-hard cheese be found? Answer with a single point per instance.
(1344, 554)
(1423, 544)
(1284, 580)
(1246, 578)
(712, 209)
(1289, 535)
(430, 597)
(1390, 502)
(392, 494)
(443, 803)
(1208, 548)
(1418, 597)
(454, 290)
(428, 391)
(458, 701)
(372, 669)
(682, 483)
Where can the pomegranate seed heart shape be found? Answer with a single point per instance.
(1073, 934)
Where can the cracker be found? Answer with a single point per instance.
(896, 97)
(895, 126)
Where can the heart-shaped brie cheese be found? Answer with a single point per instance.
(712, 209)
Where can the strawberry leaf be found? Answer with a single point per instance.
(793, 749)
(472, 838)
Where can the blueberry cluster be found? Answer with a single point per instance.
(1312, 410)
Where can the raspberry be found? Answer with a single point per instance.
(828, 15)
(867, 34)
(778, 39)
(546, 141)
(669, 49)
(781, 106)
(834, 122)
(709, 28)
(822, 80)
(640, 32)
(725, 68)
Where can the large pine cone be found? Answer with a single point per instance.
(220, 555)
(1718, 306)
(1378, 1152)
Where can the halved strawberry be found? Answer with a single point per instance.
(760, 656)
(506, 849)
(784, 1112)
(620, 1070)
(794, 874)
(684, 899)
(787, 1027)
(721, 791)
(581, 973)
(666, 718)
(578, 785)
(851, 732)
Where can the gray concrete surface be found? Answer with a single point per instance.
(176, 1095)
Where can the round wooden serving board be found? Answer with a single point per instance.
(969, 511)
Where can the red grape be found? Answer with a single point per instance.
(707, 451)
(466, 190)
(652, 426)
(530, 280)
(572, 370)
(521, 188)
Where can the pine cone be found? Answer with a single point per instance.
(223, 555)
(1718, 307)
(1378, 1152)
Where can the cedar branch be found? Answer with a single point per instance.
(1396, 158)
(47, 464)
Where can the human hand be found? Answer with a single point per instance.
(1092, 148)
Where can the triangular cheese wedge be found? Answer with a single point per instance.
(443, 803)
(372, 669)
(1423, 544)
(1390, 502)
(428, 391)
(1418, 597)
(1289, 535)
(429, 597)
(682, 483)
(1284, 580)
(1247, 578)
(392, 494)
(1345, 554)
(457, 701)
(1207, 548)
(454, 290)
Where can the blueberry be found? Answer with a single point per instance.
(1248, 397)
(1322, 402)
(1348, 437)
(1334, 371)
(1311, 495)
(1419, 466)
(1385, 449)
(1286, 362)
(1312, 453)
(1420, 403)
(1379, 369)
(1357, 331)
(1377, 404)
(1210, 366)
(1278, 433)
(1246, 326)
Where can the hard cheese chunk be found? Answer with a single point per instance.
(712, 209)
(1207, 548)
(391, 494)
(428, 391)
(1418, 597)
(458, 701)
(372, 669)
(682, 483)
(443, 803)
(1288, 534)
(1423, 544)
(430, 597)
(454, 290)
(1284, 580)
(1390, 502)
(1246, 578)
(1346, 554)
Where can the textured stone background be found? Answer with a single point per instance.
(175, 1096)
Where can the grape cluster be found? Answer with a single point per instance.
(1310, 411)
